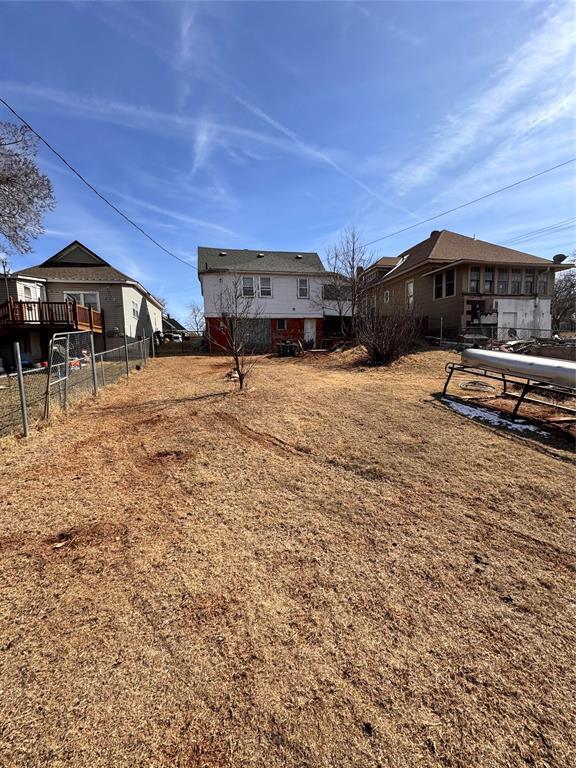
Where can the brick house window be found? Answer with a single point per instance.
(281, 325)
(542, 283)
(303, 288)
(248, 287)
(438, 281)
(474, 279)
(410, 294)
(502, 283)
(265, 287)
(449, 283)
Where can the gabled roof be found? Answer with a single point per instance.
(232, 260)
(444, 247)
(78, 264)
(171, 324)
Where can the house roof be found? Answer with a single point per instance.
(385, 261)
(171, 324)
(78, 264)
(222, 259)
(445, 247)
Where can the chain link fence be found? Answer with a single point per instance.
(73, 372)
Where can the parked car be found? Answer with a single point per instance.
(176, 337)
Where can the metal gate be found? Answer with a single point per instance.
(71, 369)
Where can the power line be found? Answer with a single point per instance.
(543, 231)
(93, 188)
(363, 245)
(470, 202)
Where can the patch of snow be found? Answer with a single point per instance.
(487, 416)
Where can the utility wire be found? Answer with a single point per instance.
(187, 263)
(93, 188)
(543, 231)
(470, 202)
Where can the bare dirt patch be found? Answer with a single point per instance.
(329, 570)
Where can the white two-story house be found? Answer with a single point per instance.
(284, 291)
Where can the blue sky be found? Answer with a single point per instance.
(275, 125)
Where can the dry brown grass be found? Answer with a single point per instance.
(331, 570)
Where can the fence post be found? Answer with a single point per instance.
(153, 343)
(66, 371)
(126, 355)
(93, 362)
(21, 389)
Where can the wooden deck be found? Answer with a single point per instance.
(64, 315)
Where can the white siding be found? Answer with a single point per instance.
(148, 319)
(37, 292)
(283, 303)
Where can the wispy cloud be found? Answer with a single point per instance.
(205, 140)
(405, 35)
(169, 213)
(528, 71)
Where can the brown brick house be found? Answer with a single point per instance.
(458, 284)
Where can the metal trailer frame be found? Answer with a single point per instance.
(527, 384)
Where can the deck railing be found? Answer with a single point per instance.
(66, 314)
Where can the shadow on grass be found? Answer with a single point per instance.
(534, 430)
(159, 405)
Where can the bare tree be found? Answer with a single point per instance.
(388, 337)
(195, 320)
(564, 299)
(240, 328)
(346, 260)
(563, 304)
(25, 193)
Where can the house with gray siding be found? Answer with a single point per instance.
(76, 289)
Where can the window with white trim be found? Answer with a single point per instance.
(303, 288)
(27, 291)
(281, 325)
(266, 287)
(86, 298)
(410, 294)
(248, 287)
(135, 309)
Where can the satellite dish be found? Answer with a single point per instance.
(559, 258)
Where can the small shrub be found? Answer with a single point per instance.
(388, 337)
